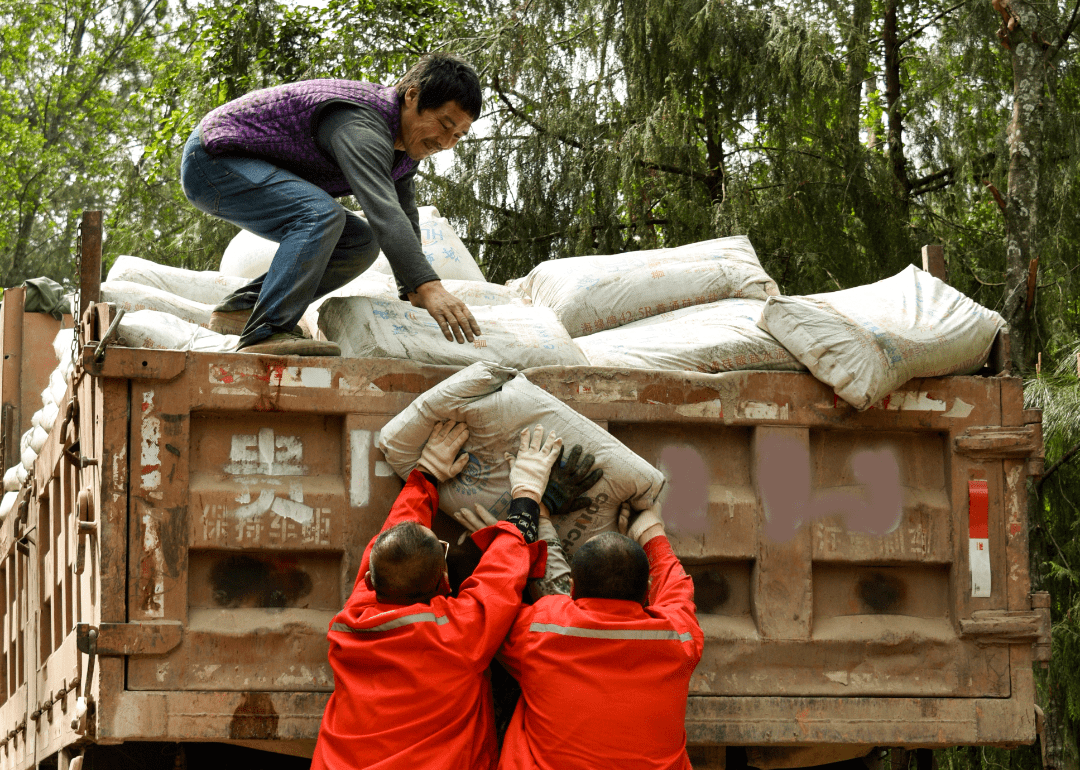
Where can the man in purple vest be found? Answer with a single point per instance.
(273, 162)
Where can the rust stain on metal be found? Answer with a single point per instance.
(255, 718)
(671, 393)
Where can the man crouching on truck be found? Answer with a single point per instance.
(605, 672)
(275, 160)
(409, 660)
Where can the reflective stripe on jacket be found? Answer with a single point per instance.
(604, 682)
(410, 681)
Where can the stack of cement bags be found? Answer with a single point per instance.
(54, 405)
(706, 307)
(867, 341)
(695, 307)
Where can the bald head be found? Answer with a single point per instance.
(611, 566)
(407, 564)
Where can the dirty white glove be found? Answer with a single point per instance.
(440, 455)
(529, 471)
(474, 521)
(643, 526)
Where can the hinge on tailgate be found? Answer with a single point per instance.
(148, 638)
(988, 627)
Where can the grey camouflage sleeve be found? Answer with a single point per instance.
(556, 579)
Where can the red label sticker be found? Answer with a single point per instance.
(978, 509)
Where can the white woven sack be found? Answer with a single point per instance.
(7, 504)
(28, 456)
(481, 293)
(11, 479)
(368, 284)
(497, 404)
(247, 256)
(445, 251)
(45, 417)
(718, 337)
(58, 385)
(133, 296)
(373, 284)
(517, 336)
(161, 331)
(207, 286)
(591, 294)
(62, 344)
(867, 341)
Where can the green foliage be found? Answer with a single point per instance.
(68, 75)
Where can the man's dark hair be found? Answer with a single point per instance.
(611, 566)
(441, 78)
(406, 563)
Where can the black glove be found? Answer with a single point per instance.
(570, 479)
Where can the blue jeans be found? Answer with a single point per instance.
(322, 245)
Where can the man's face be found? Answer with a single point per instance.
(425, 133)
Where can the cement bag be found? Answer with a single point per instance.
(483, 293)
(368, 284)
(11, 479)
(497, 406)
(38, 437)
(867, 341)
(375, 327)
(62, 346)
(247, 256)
(28, 457)
(45, 417)
(443, 249)
(58, 386)
(591, 294)
(206, 286)
(7, 505)
(134, 296)
(161, 331)
(719, 337)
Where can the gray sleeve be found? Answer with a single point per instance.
(556, 579)
(362, 149)
(406, 192)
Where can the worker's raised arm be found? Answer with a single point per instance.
(490, 598)
(441, 459)
(671, 590)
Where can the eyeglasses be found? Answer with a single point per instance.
(446, 549)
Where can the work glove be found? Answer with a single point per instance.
(570, 479)
(440, 454)
(474, 521)
(530, 469)
(641, 526)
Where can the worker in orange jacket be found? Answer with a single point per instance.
(605, 672)
(409, 660)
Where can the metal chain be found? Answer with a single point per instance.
(75, 309)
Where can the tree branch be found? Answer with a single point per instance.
(1057, 464)
(647, 165)
(1066, 33)
(912, 35)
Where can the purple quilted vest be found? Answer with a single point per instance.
(278, 124)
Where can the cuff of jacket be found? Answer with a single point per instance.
(537, 551)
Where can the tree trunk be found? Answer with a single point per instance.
(890, 38)
(1025, 143)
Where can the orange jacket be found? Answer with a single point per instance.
(411, 688)
(604, 682)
